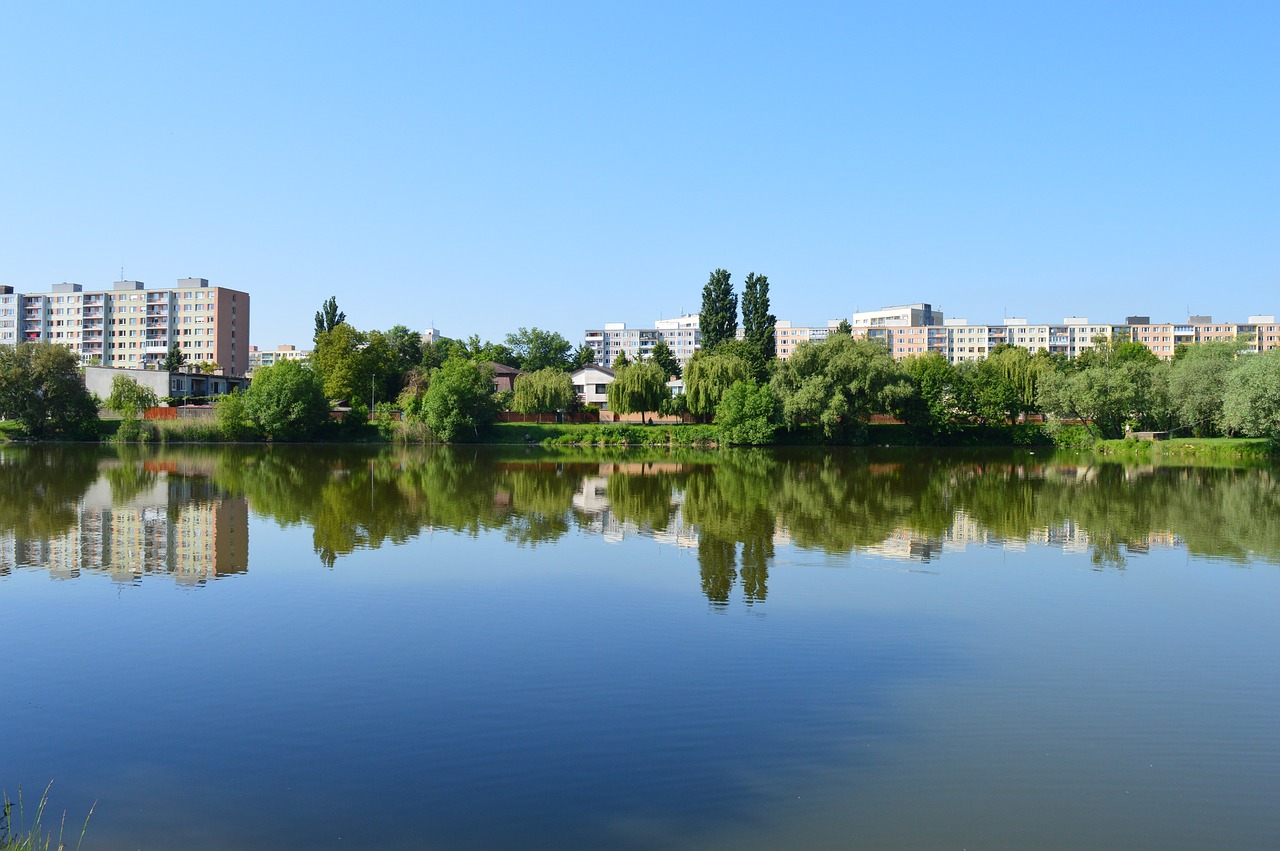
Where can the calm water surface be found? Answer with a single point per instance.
(488, 648)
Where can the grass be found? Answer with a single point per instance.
(20, 837)
(1191, 447)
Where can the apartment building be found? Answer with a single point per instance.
(786, 335)
(271, 357)
(919, 313)
(959, 340)
(680, 334)
(131, 326)
(1163, 339)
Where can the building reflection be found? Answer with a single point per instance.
(138, 521)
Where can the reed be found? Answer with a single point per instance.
(18, 836)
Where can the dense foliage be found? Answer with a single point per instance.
(41, 387)
(286, 402)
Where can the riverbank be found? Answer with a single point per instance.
(1190, 447)
(699, 435)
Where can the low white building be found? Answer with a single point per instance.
(591, 383)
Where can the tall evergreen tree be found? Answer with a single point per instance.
(327, 317)
(718, 320)
(174, 360)
(757, 322)
(662, 356)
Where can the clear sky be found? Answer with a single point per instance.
(483, 166)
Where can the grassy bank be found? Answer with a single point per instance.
(549, 434)
(1207, 448)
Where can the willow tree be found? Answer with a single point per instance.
(637, 389)
(544, 391)
(708, 376)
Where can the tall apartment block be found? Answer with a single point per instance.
(680, 334)
(131, 326)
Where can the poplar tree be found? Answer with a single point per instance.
(757, 322)
(718, 319)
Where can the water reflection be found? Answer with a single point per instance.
(184, 512)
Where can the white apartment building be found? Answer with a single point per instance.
(680, 334)
(271, 357)
(919, 313)
(130, 326)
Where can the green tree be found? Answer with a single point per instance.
(382, 367)
(538, 349)
(1198, 380)
(1002, 385)
(175, 360)
(130, 400)
(340, 362)
(844, 327)
(488, 352)
(939, 386)
(232, 416)
(637, 389)
(707, 378)
(1251, 400)
(545, 391)
(666, 361)
(758, 324)
(718, 319)
(435, 353)
(838, 384)
(1104, 398)
(328, 317)
(406, 344)
(41, 386)
(748, 414)
(459, 402)
(287, 401)
(584, 355)
(621, 361)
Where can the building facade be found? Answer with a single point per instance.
(591, 383)
(919, 313)
(681, 335)
(133, 327)
(786, 335)
(959, 340)
(271, 357)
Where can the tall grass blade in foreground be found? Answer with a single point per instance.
(21, 838)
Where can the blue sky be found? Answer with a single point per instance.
(483, 166)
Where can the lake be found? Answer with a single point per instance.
(498, 647)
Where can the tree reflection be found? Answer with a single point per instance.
(736, 506)
(40, 486)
